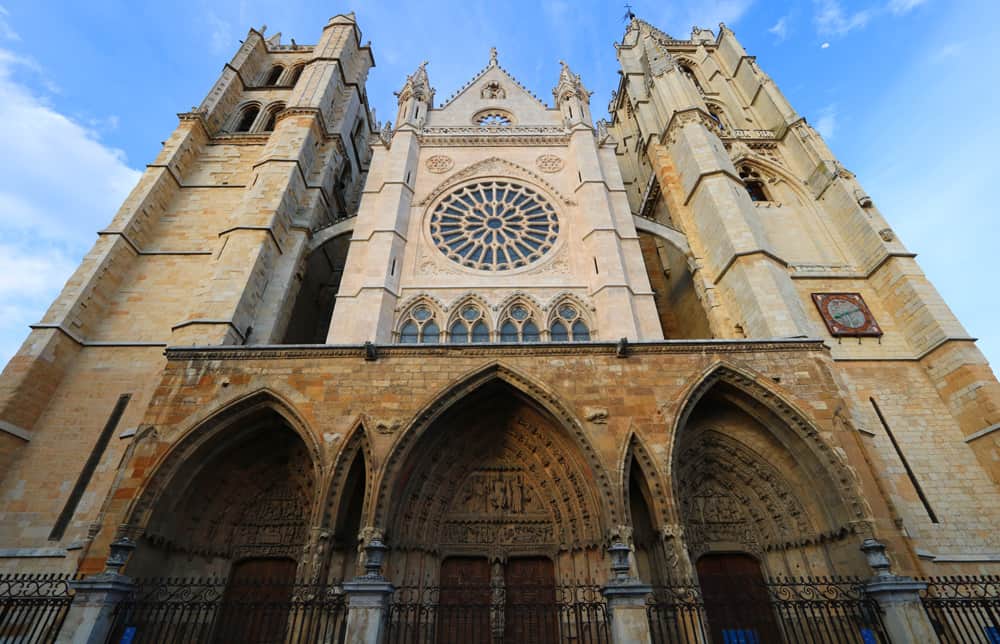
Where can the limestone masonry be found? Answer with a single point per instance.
(498, 336)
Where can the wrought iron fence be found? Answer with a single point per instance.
(964, 610)
(252, 612)
(33, 607)
(536, 614)
(807, 610)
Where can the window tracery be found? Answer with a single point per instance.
(469, 326)
(420, 326)
(519, 325)
(493, 118)
(494, 226)
(568, 324)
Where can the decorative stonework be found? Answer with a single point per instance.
(492, 167)
(493, 90)
(439, 163)
(549, 163)
(494, 226)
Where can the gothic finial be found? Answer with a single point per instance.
(263, 29)
(493, 57)
(629, 15)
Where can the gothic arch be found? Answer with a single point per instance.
(455, 311)
(323, 235)
(533, 391)
(209, 429)
(637, 455)
(669, 235)
(836, 507)
(495, 167)
(356, 443)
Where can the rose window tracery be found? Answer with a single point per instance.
(494, 226)
(493, 119)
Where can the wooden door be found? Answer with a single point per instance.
(463, 613)
(531, 613)
(736, 601)
(257, 600)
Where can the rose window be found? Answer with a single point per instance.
(493, 119)
(494, 226)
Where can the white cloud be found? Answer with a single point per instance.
(900, 7)
(58, 185)
(780, 28)
(826, 123)
(825, 45)
(6, 31)
(832, 20)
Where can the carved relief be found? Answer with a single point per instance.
(596, 415)
(886, 234)
(439, 163)
(549, 163)
(493, 90)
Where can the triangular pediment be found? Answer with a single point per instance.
(494, 88)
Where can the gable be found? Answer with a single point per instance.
(494, 89)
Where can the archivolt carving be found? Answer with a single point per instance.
(773, 410)
(636, 455)
(493, 166)
(730, 494)
(607, 508)
(186, 450)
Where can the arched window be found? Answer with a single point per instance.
(519, 326)
(716, 113)
(274, 75)
(754, 184)
(247, 118)
(470, 325)
(272, 117)
(568, 325)
(694, 79)
(420, 327)
(296, 72)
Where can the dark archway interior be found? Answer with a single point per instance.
(313, 310)
(650, 559)
(344, 557)
(682, 314)
(246, 495)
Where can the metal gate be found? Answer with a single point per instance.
(806, 610)
(565, 614)
(33, 607)
(964, 610)
(252, 612)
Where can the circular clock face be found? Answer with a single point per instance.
(846, 313)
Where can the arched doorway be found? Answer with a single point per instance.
(310, 317)
(238, 507)
(497, 509)
(759, 500)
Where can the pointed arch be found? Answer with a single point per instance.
(518, 319)
(421, 321)
(583, 314)
(458, 319)
(211, 429)
(637, 455)
(787, 423)
(495, 167)
(522, 384)
(356, 443)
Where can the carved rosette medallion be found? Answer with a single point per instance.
(549, 163)
(439, 163)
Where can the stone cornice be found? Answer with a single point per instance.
(298, 351)
(489, 136)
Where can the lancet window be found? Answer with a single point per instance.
(519, 326)
(420, 327)
(469, 326)
(754, 184)
(274, 75)
(272, 117)
(247, 118)
(568, 325)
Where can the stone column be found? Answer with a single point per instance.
(626, 598)
(91, 615)
(903, 614)
(368, 599)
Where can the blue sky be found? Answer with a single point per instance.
(905, 92)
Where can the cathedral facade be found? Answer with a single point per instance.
(498, 336)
